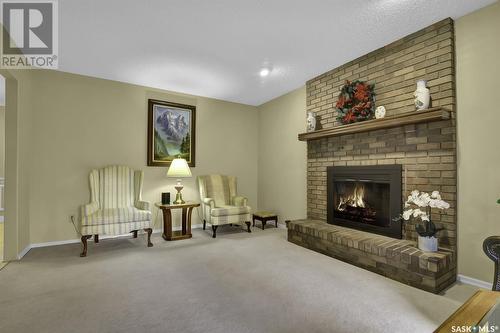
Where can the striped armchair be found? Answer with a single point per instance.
(116, 206)
(220, 202)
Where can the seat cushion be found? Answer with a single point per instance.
(264, 213)
(117, 215)
(230, 210)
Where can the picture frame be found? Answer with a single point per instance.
(171, 132)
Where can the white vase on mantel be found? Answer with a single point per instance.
(428, 244)
(422, 95)
(311, 121)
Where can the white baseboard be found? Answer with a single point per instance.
(63, 242)
(474, 282)
(194, 226)
(23, 252)
(73, 241)
(281, 225)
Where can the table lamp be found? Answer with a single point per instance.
(179, 169)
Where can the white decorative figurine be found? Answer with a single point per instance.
(311, 121)
(422, 95)
(380, 112)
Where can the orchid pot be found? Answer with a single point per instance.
(428, 244)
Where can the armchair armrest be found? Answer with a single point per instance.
(209, 202)
(239, 201)
(90, 208)
(142, 205)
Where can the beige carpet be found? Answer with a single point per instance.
(238, 282)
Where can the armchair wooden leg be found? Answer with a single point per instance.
(276, 222)
(253, 218)
(84, 242)
(204, 224)
(214, 229)
(149, 231)
(96, 238)
(135, 233)
(248, 226)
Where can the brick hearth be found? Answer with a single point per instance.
(395, 258)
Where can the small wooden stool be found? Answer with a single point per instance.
(264, 216)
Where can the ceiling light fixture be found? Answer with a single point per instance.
(265, 72)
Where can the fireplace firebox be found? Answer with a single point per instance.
(366, 198)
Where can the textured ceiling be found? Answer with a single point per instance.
(217, 48)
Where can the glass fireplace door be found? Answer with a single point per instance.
(364, 202)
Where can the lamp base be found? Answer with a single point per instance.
(178, 196)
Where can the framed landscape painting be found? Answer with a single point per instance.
(171, 132)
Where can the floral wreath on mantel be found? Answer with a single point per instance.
(356, 102)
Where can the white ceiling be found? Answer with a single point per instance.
(217, 48)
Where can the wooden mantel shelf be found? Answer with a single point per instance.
(414, 117)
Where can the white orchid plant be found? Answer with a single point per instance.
(419, 205)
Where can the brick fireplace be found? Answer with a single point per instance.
(365, 198)
(424, 152)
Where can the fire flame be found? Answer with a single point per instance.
(355, 199)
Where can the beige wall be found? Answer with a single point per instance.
(282, 158)
(17, 152)
(478, 75)
(80, 123)
(2, 141)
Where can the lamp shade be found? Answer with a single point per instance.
(179, 169)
